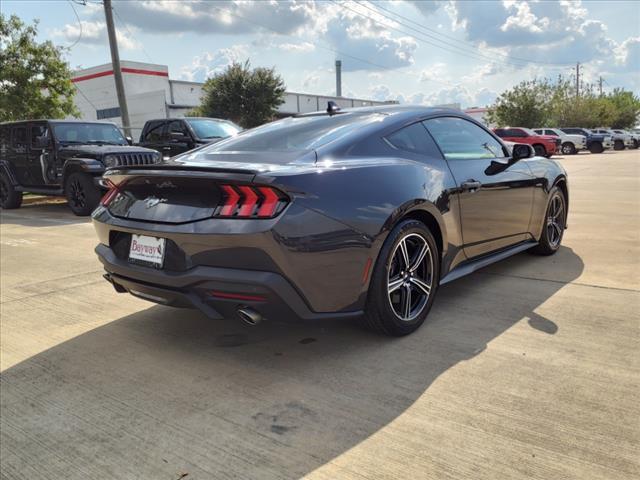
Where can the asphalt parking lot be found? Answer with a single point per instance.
(527, 369)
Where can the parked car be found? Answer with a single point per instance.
(620, 140)
(355, 213)
(596, 143)
(544, 145)
(172, 136)
(630, 139)
(63, 157)
(569, 144)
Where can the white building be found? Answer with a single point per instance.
(479, 114)
(151, 94)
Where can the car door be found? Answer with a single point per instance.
(495, 194)
(153, 135)
(40, 160)
(19, 154)
(179, 138)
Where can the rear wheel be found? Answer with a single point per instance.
(568, 148)
(635, 144)
(540, 150)
(554, 224)
(618, 145)
(404, 281)
(82, 194)
(9, 197)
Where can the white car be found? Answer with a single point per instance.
(570, 144)
(635, 138)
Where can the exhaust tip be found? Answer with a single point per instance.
(249, 316)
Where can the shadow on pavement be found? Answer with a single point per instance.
(41, 213)
(166, 391)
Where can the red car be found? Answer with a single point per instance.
(544, 145)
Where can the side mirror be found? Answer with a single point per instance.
(129, 140)
(42, 142)
(520, 151)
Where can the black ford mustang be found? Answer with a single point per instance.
(355, 213)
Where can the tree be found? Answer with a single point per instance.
(625, 108)
(527, 105)
(245, 96)
(35, 81)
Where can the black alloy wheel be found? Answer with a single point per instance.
(618, 145)
(404, 281)
(596, 147)
(9, 197)
(82, 194)
(568, 148)
(554, 224)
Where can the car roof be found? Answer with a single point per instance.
(189, 118)
(71, 120)
(409, 110)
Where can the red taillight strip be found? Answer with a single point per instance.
(230, 202)
(237, 296)
(248, 202)
(110, 195)
(270, 203)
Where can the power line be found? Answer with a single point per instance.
(465, 44)
(131, 34)
(79, 26)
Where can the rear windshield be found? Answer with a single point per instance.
(205, 128)
(295, 133)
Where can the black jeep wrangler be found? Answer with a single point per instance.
(63, 157)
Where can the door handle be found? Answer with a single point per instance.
(471, 185)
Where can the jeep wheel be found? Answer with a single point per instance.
(9, 197)
(568, 148)
(82, 194)
(540, 150)
(618, 145)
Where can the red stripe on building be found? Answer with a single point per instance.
(136, 71)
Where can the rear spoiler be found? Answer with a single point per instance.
(118, 175)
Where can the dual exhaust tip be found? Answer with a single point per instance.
(249, 316)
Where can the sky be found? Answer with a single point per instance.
(426, 52)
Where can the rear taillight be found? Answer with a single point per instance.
(110, 195)
(244, 201)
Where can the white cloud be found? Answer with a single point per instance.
(93, 33)
(303, 47)
(208, 64)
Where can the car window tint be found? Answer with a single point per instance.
(37, 131)
(206, 128)
(154, 132)
(412, 138)
(20, 136)
(177, 126)
(460, 139)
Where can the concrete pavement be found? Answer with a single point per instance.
(527, 369)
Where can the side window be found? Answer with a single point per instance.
(539, 131)
(412, 138)
(177, 126)
(20, 137)
(38, 130)
(500, 132)
(517, 133)
(460, 139)
(154, 132)
(551, 132)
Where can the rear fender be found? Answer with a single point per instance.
(84, 165)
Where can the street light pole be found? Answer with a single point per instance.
(117, 71)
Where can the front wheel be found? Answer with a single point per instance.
(9, 197)
(596, 147)
(540, 150)
(82, 194)
(404, 281)
(554, 224)
(618, 145)
(568, 148)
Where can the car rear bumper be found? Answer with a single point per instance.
(216, 292)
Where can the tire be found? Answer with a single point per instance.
(618, 145)
(552, 233)
(540, 150)
(384, 311)
(596, 147)
(82, 194)
(9, 197)
(635, 144)
(568, 148)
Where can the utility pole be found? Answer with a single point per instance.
(600, 85)
(117, 71)
(577, 79)
(338, 78)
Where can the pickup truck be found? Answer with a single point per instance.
(543, 145)
(570, 144)
(596, 143)
(172, 136)
(620, 140)
(63, 157)
(630, 139)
